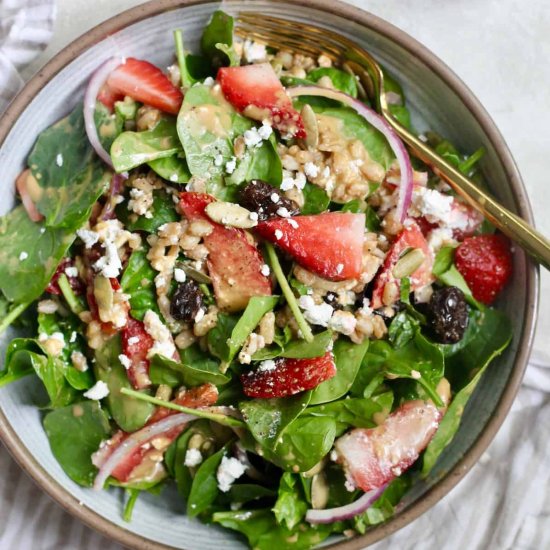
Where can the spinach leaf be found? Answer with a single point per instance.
(204, 489)
(348, 357)
(341, 80)
(40, 249)
(257, 307)
(186, 79)
(138, 282)
(131, 149)
(402, 329)
(315, 200)
(246, 492)
(264, 533)
(173, 169)
(75, 433)
(69, 176)
(15, 369)
(109, 125)
(291, 506)
(267, 419)
(195, 369)
(493, 336)
(218, 337)
(163, 211)
(217, 40)
(297, 349)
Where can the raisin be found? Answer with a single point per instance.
(448, 314)
(332, 299)
(186, 301)
(258, 197)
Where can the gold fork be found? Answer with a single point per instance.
(284, 34)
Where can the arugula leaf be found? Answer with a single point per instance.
(23, 281)
(131, 149)
(138, 282)
(290, 507)
(341, 80)
(69, 176)
(75, 433)
(267, 419)
(493, 336)
(315, 200)
(348, 357)
(217, 40)
(196, 368)
(173, 169)
(204, 489)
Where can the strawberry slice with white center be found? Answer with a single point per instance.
(373, 457)
(257, 91)
(410, 237)
(285, 377)
(329, 244)
(234, 264)
(143, 82)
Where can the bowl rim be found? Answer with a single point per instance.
(366, 19)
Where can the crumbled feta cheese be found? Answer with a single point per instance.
(433, 205)
(58, 336)
(133, 340)
(311, 170)
(47, 306)
(59, 160)
(254, 51)
(252, 138)
(109, 265)
(209, 81)
(89, 238)
(71, 271)
(125, 361)
(265, 130)
(160, 281)
(230, 165)
(193, 457)
(278, 234)
(440, 237)
(163, 343)
(174, 178)
(218, 160)
(73, 336)
(416, 375)
(316, 314)
(343, 322)
(293, 223)
(199, 316)
(229, 470)
(289, 181)
(283, 212)
(179, 275)
(98, 391)
(42, 230)
(267, 365)
(275, 198)
(23, 256)
(253, 216)
(339, 268)
(265, 271)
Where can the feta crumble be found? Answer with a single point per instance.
(199, 316)
(433, 205)
(311, 170)
(267, 366)
(229, 470)
(293, 223)
(283, 212)
(265, 271)
(230, 165)
(71, 271)
(316, 314)
(59, 160)
(163, 343)
(109, 265)
(98, 391)
(254, 51)
(218, 160)
(193, 457)
(275, 198)
(133, 340)
(89, 238)
(252, 138)
(23, 256)
(339, 268)
(265, 130)
(278, 234)
(125, 361)
(179, 275)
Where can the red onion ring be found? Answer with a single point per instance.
(348, 511)
(374, 119)
(135, 440)
(115, 187)
(90, 97)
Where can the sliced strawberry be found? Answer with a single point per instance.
(373, 457)
(136, 343)
(284, 377)
(485, 262)
(257, 87)
(234, 264)
(410, 237)
(330, 244)
(109, 97)
(144, 82)
(74, 281)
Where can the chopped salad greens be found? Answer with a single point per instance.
(233, 278)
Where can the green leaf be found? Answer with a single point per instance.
(348, 357)
(196, 368)
(131, 149)
(402, 329)
(246, 492)
(290, 507)
(315, 200)
(493, 336)
(219, 336)
(341, 80)
(75, 433)
(219, 31)
(14, 369)
(109, 125)
(257, 307)
(69, 176)
(185, 76)
(204, 489)
(173, 169)
(23, 281)
(297, 349)
(267, 419)
(138, 282)
(233, 57)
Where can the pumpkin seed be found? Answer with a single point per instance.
(319, 491)
(230, 214)
(408, 263)
(311, 128)
(194, 274)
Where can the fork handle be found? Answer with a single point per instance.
(533, 242)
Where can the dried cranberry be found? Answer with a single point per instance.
(186, 301)
(448, 314)
(74, 281)
(258, 197)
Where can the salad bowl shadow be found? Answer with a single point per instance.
(438, 100)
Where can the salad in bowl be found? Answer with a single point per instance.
(233, 278)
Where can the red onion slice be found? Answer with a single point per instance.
(96, 81)
(115, 188)
(131, 443)
(348, 511)
(374, 119)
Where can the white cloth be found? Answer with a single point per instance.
(503, 503)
